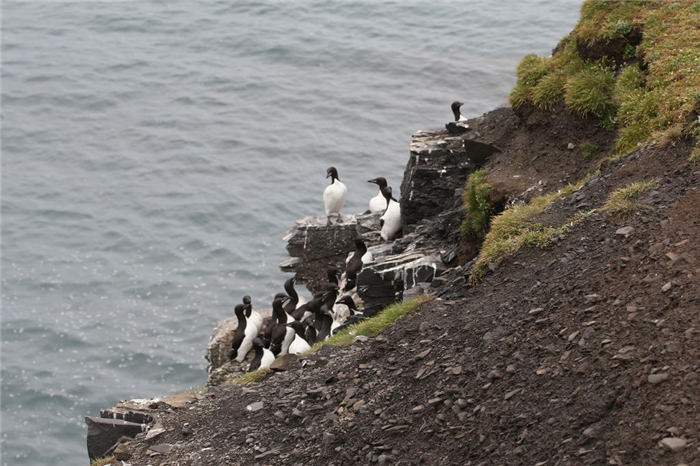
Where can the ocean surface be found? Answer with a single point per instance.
(155, 153)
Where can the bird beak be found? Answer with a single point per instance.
(372, 181)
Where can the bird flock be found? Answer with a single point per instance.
(297, 324)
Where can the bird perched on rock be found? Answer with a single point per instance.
(456, 111)
(289, 338)
(378, 203)
(245, 333)
(294, 299)
(253, 317)
(391, 220)
(279, 316)
(263, 356)
(343, 308)
(335, 195)
(354, 265)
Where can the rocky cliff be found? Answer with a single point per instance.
(567, 332)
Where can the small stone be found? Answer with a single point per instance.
(186, 429)
(435, 401)
(673, 256)
(253, 407)
(285, 363)
(657, 378)
(121, 453)
(625, 231)
(456, 370)
(423, 328)
(358, 404)
(674, 444)
(424, 353)
(417, 409)
(155, 431)
(666, 287)
(510, 369)
(163, 448)
(494, 374)
(512, 393)
(534, 312)
(382, 460)
(571, 146)
(297, 413)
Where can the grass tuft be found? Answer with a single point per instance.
(589, 92)
(103, 461)
(374, 325)
(253, 377)
(695, 155)
(647, 105)
(515, 228)
(588, 150)
(477, 205)
(623, 202)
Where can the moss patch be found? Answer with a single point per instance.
(623, 202)
(253, 377)
(103, 461)
(651, 97)
(588, 150)
(478, 208)
(374, 325)
(515, 228)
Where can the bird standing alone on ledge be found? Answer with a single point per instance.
(334, 196)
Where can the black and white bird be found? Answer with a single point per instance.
(245, 333)
(263, 356)
(391, 220)
(279, 316)
(378, 203)
(335, 195)
(354, 264)
(253, 317)
(306, 310)
(456, 111)
(343, 309)
(289, 338)
(294, 299)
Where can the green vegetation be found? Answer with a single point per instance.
(103, 461)
(623, 202)
(478, 209)
(695, 155)
(649, 104)
(254, 377)
(589, 92)
(369, 327)
(515, 228)
(374, 325)
(588, 150)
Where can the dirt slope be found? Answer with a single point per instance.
(587, 352)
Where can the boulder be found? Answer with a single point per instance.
(103, 434)
(219, 347)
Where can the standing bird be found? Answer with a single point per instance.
(263, 356)
(378, 203)
(294, 299)
(253, 317)
(245, 333)
(391, 220)
(456, 111)
(354, 265)
(279, 316)
(289, 338)
(343, 309)
(334, 196)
